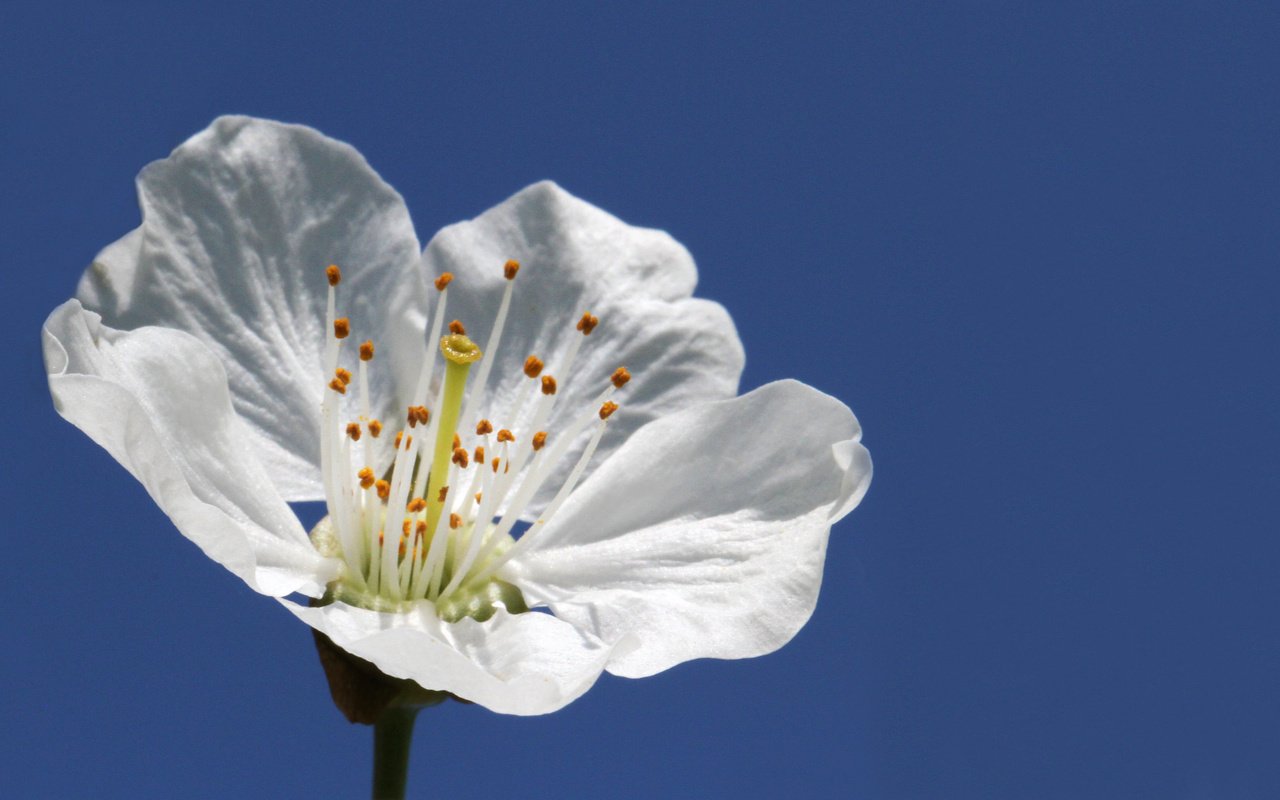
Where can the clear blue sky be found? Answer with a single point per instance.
(1036, 251)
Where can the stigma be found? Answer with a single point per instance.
(434, 521)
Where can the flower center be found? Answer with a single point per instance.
(438, 524)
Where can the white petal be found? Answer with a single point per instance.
(523, 664)
(704, 535)
(157, 400)
(238, 226)
(577, 258)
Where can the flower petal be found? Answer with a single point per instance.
(523, 664)
(238, 226)
(577, 258)
(157, 400)
(704, 535)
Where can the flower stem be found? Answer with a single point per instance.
(391, 737)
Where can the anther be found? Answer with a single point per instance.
(461, 458)
(338, 386)
(457, 441)
(375, 428)
(415, 505)
(607, 409)
(333, 274)
(366, 351)
(405, 527)
(496, 462)
(505, 435)
(421, 528)
(484, 427)
(457, 327)
(444, 492)
(343, 375)
(341, 327)
(620, 377)
(548, 384)
(539, 439)
(443, 280)
(400, 438)
(422, 414)
(510, 269)
(353, 430)
(366, 478)
(384, 489)
(533, 366)
(455, 521)
(588, 323)
(479, 454)
(479, 496)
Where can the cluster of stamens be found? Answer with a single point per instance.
(438, 523)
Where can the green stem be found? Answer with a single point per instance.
(391, 737)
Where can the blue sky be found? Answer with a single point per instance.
(1035, 249)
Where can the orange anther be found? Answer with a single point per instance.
(415, 505)
(456, 327)
(366, 478)
(375, 428)
(338, 386)
(461, 458)
(353, 430)
(366, 351)
(333, 274)
(479, 454)
(343, 375)
(404, 529)
(444, 492)
(455, 521)
(620, 377)
(588, 323)
(342, 327)
(457, 441)
(510, 269)
(422, 415)
(539, 439)
(479, 496)
(421, 528)
(505, 435)
(484, 427)
(533, 366)
(548, 384)
(384, 489)
(496, 461)
(443, 280)
(607, 409)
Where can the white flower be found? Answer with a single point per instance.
(690, 524)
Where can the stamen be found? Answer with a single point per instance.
(366, 351)
(510, 269)
(620, 377)
(588, 323)
(333, 274)
(366, 478)
(338, 386)
(384, 489)
(533, 366)
(484, 427)
(456, 327)
(444, 492)
(342, 375)
(415, 505)
(548, 384)
(353, 430)
(607, 409)
(479, 454)
(539, 439)
(375, 428)
(443, 281)
(455, 521)
(342, 327)
(505, 435)
(460, 457)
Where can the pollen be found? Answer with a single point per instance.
(484, 427)
(375, 428)
(457, 327)
(510, 269)
(505, 435)
(607, 409)
(539, 439)
(353, 430)
(548, 384)
(588, 323)
(343, 375)
(341, 328)
(479, 454)
(338, 386)
(366, 351)
(461, 458)
(333, 274)
(417, 415)
(384, 489)
(533, 366)
(415, 505)
(366, 478)
(443, 281)
(444, 492)
(620, 377)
